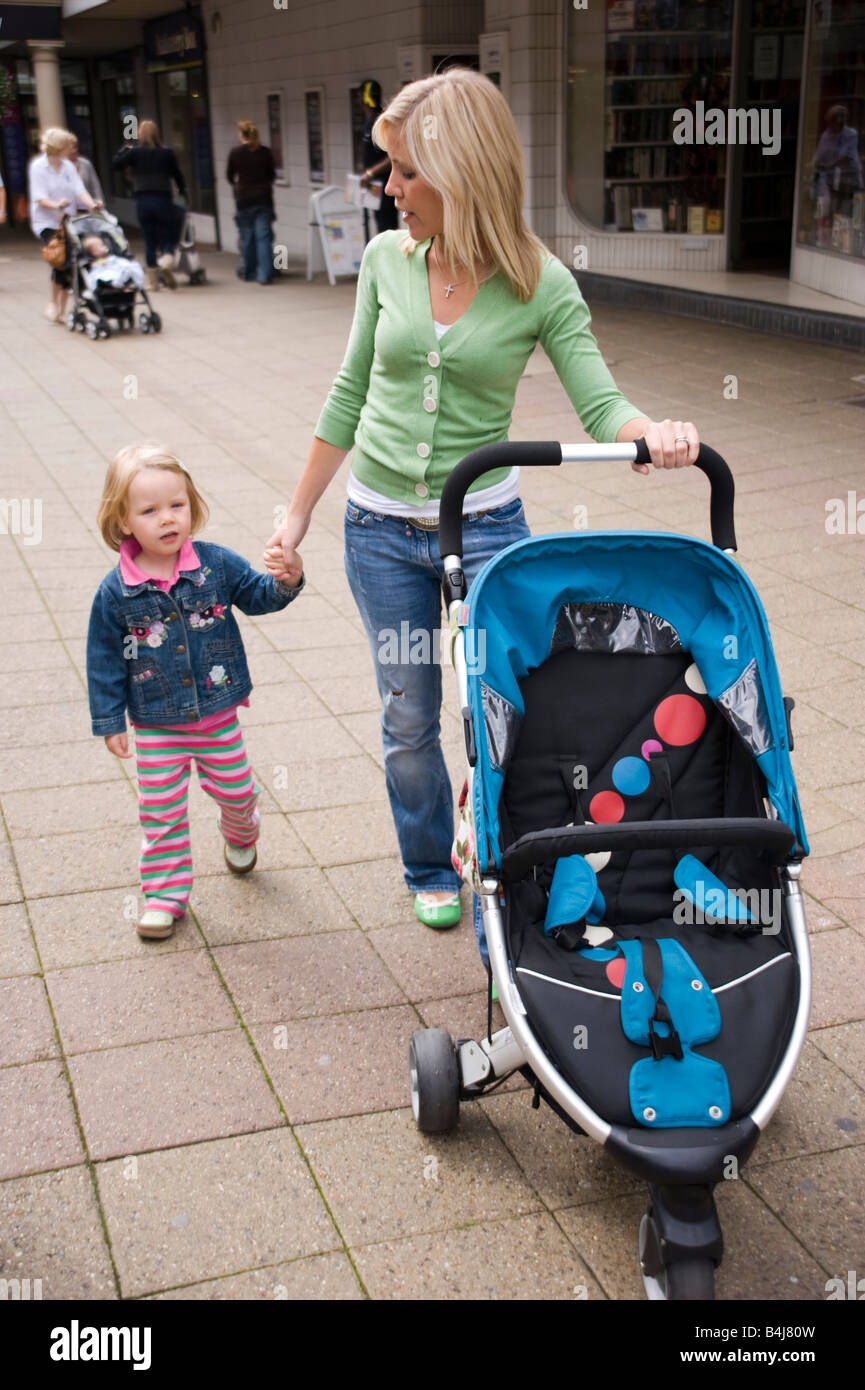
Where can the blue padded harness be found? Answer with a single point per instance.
(675, 1087)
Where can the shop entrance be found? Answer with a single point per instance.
(769, 73)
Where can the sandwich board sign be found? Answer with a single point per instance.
(336, 239)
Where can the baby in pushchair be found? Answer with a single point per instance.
(107, 281)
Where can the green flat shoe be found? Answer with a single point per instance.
(444, 914)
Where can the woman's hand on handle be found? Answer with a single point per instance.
(671, 443)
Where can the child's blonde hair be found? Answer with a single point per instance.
(462, 139)
(114, 507)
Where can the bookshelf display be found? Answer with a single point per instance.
(663, 56)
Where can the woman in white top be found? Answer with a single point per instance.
(56, 190)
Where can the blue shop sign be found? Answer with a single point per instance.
(175, 41)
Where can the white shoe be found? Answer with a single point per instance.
(166, 265)
(51, 312)
(240, 858)
(155, 924)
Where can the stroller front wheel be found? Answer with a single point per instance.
(690, 1280)
(434, 1080)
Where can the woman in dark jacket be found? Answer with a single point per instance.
(153, 168)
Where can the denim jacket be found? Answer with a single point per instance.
(169, 657)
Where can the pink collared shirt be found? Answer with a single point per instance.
(186, 560)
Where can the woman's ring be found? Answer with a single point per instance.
(683, 437)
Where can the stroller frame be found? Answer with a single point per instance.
(680, 1238)
(112, 303)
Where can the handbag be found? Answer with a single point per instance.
(54, 250)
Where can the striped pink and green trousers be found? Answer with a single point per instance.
(164, 764)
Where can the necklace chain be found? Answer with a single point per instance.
(449, 288)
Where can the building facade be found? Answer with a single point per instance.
(659, 135)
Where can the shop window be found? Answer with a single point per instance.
(831, 186)
(637, 153)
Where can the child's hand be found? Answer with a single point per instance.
(286, 568)
(118, 744)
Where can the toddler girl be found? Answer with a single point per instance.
(163, 644)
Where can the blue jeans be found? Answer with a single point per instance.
(395, 572)
(255, 226)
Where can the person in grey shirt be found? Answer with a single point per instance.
(88, 174)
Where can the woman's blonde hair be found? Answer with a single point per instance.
(54, 139)
(114, 507)
(249, 133)
(462, 140)
(148, 133)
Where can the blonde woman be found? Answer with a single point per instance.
(153, 168)
(56, 191)
(251, 174)
(448, 312)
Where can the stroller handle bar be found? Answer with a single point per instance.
(547, 454)
(771, 837)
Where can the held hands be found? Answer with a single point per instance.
(281, 556)
(671, 443)
(118, 744)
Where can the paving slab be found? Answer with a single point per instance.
(39, 1129)
(430, 964)
(17, 953)
(26, 1030)
(374, 891)
(50, 1230)
(129, 1001)
(838, 963)
(334, 972)
(323, 1278)
(822, 1198)
(161, 1094)
(185, 1215)
(846, 1047)
(326, 1067)
(57, 810)
(523, 1258)
(267, 904)
(383, 1179)
(821, 1109)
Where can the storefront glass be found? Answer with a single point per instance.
(638, 155)
(184, 126)
(116, 77)
(831, 152)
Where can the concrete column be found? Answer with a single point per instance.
(50, 106)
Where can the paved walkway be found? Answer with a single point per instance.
(224, 1115)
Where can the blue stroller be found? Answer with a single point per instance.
(632, 826)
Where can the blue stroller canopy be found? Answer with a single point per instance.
(657, 593)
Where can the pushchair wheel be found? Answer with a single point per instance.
(102, 328)
(71, 320)
(91, 329)
(434, 1080)
(144, 323)
(690, 1280)
(155, 323)
(197, 277)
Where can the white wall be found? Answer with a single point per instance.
(333, 44)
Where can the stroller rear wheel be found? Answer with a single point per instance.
(434, 1080)
(686, 1280)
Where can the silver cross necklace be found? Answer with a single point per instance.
(449, 289)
